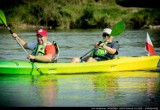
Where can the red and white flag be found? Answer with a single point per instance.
(149, 46)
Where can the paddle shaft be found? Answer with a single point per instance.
(86, 54)
(9, 29)
(20, 44)
(89, 51)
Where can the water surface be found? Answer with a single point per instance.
(117, 89)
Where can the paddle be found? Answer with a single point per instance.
(3, 21)
(116, 30)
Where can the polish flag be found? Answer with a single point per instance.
(149, 46)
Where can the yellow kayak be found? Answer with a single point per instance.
(122, 63)
(117, 64)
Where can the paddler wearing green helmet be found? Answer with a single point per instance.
(103, 50)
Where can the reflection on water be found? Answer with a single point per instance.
(98, 90)
(46, 88)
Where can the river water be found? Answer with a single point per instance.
(118, 89)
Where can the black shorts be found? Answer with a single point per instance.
(96, 58)
(100, 58)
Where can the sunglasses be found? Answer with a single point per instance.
(39, 36)
(105, 35)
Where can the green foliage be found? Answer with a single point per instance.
(143, 17)
(69, 14)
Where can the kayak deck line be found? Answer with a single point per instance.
(122, 63)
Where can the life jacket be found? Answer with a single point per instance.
(101, 52)
(39, 50)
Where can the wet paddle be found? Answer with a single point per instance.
(116, 30)
(3, 21)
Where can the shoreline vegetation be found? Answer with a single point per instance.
(76, 14)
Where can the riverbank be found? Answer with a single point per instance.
(25, 27)
(80, 14)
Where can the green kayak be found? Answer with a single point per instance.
(114, 65)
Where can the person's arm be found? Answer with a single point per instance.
(113, 50)
(109, 49)
(45, 58)
(23, 43)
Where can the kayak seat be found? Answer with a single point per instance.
(57, 51)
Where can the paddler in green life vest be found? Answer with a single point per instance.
(42, 49)
(103, 50)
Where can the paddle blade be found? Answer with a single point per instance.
(118, 28)
(2, 18)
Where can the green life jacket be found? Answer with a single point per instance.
(101, 52)
(39, 50)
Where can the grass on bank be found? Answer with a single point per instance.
(71, 14)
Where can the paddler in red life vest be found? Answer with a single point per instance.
(42, 50)
(103, 50)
